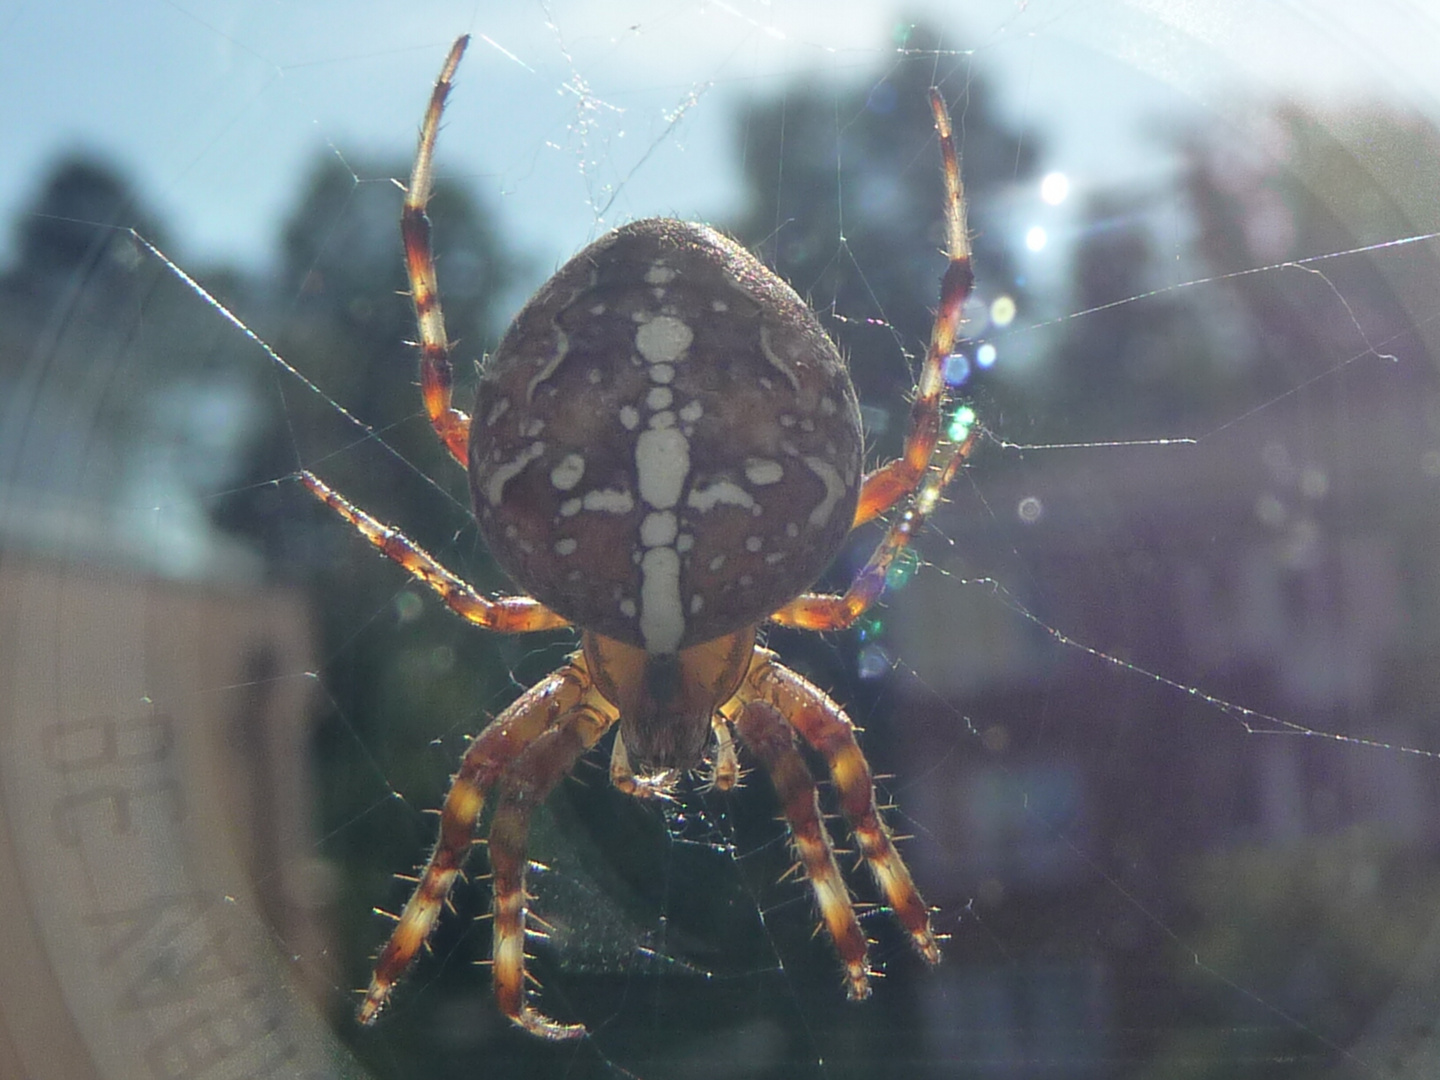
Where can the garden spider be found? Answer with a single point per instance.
(666, 453)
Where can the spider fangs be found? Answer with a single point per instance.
(666, 453)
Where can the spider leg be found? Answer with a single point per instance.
(824, 725)
(508, 614)
(523, 786)
(823, 611)
(762, 728)
(450, 424)
(927, 462)
(548, 705)
(888, 484)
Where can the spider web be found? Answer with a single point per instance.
(1154, 699)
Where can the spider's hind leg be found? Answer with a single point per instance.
(524, 785)
(763, 730)
(824, 725)
(497, 756)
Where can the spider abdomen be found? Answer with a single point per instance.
(666, 446)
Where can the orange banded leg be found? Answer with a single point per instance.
(820, 611)
(508, 614)
(887, 485)
(824, 725)
(763, 730)
(524, 786)
(492, 752)
(927, 464)
(450, 424)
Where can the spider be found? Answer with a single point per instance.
(665, 454)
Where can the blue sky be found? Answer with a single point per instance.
(214, 107)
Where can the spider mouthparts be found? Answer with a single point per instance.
(655, 785)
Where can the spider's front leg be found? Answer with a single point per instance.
(451, 425)
(888, 484)
(507, 754)
(507, 614)
(927, 463)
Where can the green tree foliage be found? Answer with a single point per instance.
(75, 231)
(399, 670)
(1291, 185)
(340, 313)
(1278, 347)
(1124, 367)
(845, 201)
(120, 386)
(1325, 183)
(76, 279)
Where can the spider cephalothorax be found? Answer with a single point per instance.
(666, 453)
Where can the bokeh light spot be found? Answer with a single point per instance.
(1002, 310)
(902, 570)
(873, 662)
(961, 421)
(1054, 188)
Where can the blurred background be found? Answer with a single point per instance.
(1156, 700)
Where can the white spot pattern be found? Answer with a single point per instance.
(499, 409)
(503, 474)
(562, 346)
(609, 501)
(721, 491)
(663, 339)
(662, 619)
(762, 471)
(662, 462)
(662, 467)
(834, 490)
(568, 473)
(659, 529)
(782, 364)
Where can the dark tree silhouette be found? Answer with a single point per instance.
(845, 201)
